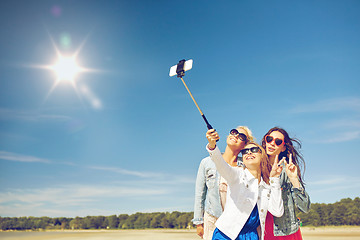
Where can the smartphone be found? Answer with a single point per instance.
(187, 66)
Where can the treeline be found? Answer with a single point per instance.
(123, 221)
(344, 212)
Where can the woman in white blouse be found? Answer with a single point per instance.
(252, 191)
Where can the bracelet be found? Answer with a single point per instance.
(211, 148)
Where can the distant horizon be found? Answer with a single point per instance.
(344, 212)
(151, 212)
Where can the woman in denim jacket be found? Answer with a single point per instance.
(277, 142)
(253, 191)
(210, 187)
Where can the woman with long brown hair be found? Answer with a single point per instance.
(278, 144)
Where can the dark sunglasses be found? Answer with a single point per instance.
(236, 133)
(269, 139)
(247, 150)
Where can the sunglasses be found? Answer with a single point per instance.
(269, 139)
(236, 133)
(247, 150)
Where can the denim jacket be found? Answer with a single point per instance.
(207, 196)
(292, 197)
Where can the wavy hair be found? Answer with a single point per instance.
(293, 147)
(265, 165)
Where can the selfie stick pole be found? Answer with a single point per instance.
(180, 73)
(202, 114)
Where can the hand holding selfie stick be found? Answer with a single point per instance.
(179, 70)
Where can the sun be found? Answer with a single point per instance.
(66, 68)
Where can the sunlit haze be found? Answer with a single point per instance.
(92, 124)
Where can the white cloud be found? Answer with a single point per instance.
(330, 105)
(21, 158)
(85, 199)
(39, 210)
(342, 121)
(71, 200)
(7, 114)
(9, 156)
(336, 188)
(72, 195)
(183, 208)
(327, 181)
(341, 137)
(352, 123)
(126, 172)
(332, 188)
(331, 184)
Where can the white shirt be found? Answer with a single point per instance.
(244, 192)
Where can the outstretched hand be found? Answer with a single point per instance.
(212, 136)
(277, 167)
(292, 172)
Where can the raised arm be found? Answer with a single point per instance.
(300, 196)
(276, 205)
(225, 170)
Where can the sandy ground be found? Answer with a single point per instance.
(331, 233)
(323, 233)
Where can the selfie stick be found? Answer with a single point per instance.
(181, 67)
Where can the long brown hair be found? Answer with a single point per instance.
(265, 166)
(297, 157)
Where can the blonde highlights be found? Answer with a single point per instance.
(250, 137)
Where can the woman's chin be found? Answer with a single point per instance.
(271, 153)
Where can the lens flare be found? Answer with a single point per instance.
(65, 40)
(56, 11)
(91, 98)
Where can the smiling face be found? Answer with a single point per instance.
(235, 142)
(272, 147)
(250, 158)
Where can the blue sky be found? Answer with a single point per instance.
(127, 138)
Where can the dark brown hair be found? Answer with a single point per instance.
(297, 158)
